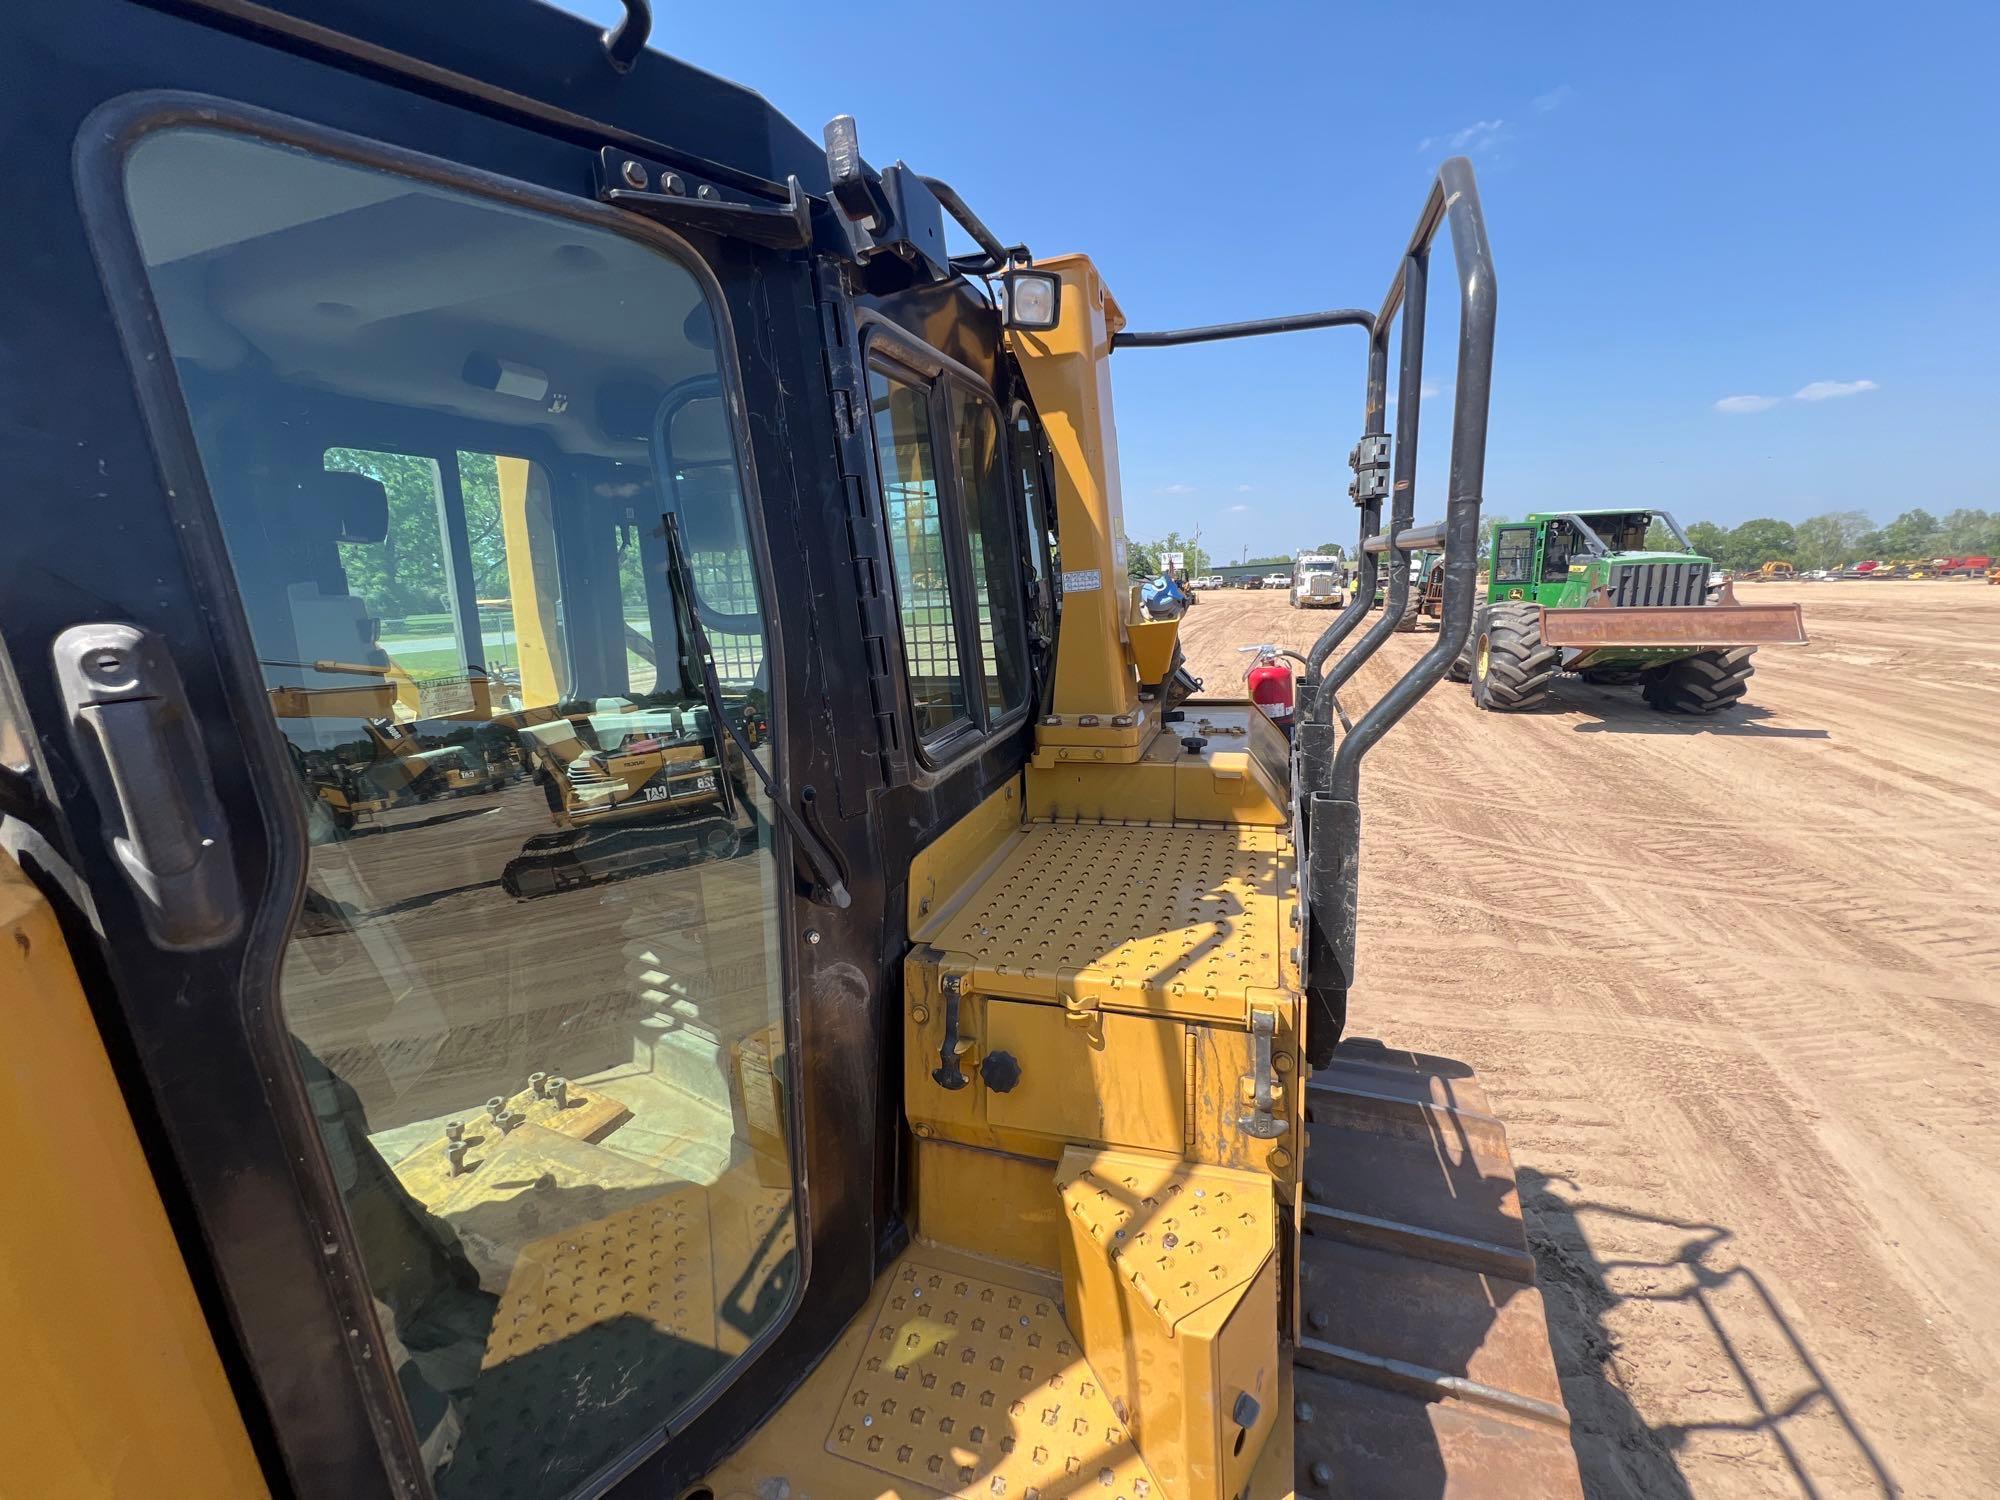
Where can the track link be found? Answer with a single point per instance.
(1423, 1364)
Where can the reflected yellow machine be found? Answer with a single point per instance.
(922, 1068)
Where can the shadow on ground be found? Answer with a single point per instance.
(1620, 1455)
(1622, 711)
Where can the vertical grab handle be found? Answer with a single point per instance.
(128, 717)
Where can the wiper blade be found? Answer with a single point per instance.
(824, 866)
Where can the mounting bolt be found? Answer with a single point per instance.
(1322, 1473)
(672, 185)
(455, 1153)
(1169, 1243)
(496, 1107)
(705, 191)
(559, 1091)
(1318, 1319)
(1303, 1412)
(539, 1083)
(106, 664)
(812, 936)
(920, 1013)
(454, 1130)
(634, 174)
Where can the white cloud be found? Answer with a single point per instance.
(1175, 489)
(1555, 98)
(1740, 405)
(1244, 489)
(1238, 509)
(1476, 136)
(1828, 390)
(1425, 144)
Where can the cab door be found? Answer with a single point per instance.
(513, 1087)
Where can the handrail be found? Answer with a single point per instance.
(1332, 819)
(1416, 539)
(1336, 317)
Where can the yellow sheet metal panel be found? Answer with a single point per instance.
(1170, 1279)
(1068, 368)
(122, 1393)
(1153, 648)
(1102, 1077)
(1083, 791)
(951, 863)
(1112, 1078)
(990, 1203)
(1179, 921)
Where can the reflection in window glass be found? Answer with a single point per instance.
(997, 580)
(917, 551)
(536, 989)
(1514, 556)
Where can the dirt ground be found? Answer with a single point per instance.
(1734, 985)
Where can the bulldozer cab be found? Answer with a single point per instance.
(624, 892)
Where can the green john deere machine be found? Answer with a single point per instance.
(1591, 593)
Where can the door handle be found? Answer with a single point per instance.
(129, 720)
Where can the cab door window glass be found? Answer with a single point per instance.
(536, 990)
(1514, 555)
(1556, 553)
(919, 552)
(999, 583)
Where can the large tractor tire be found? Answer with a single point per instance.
(1406, 624)
(1460, 669)
(1702, 683)
(1511, 668)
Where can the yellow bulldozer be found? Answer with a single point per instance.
(880, 1031)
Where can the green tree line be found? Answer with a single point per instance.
(1840, 537)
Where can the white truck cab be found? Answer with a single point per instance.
(1318, 582)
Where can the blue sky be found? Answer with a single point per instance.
(1751, 204)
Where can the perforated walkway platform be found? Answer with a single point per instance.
(1181, 920)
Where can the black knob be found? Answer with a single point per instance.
(1194, 744)
(1000, 1071)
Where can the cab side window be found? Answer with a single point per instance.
(907, 458)
(955, 549)
(998, 582)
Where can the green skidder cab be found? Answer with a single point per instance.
(1613, 596)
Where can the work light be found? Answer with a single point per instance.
(1031, 300)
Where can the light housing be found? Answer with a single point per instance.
(1031, 300)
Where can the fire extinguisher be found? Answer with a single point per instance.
(1271, 686)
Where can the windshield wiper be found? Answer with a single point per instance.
(817, 854)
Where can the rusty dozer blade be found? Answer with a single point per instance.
(1423, 1364)
(1702, 625)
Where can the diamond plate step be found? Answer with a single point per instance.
(971, 1387)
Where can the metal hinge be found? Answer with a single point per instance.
(1370, 462)
(1260, 1088)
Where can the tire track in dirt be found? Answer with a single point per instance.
(1735, 989)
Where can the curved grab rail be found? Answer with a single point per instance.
(1332, 817)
